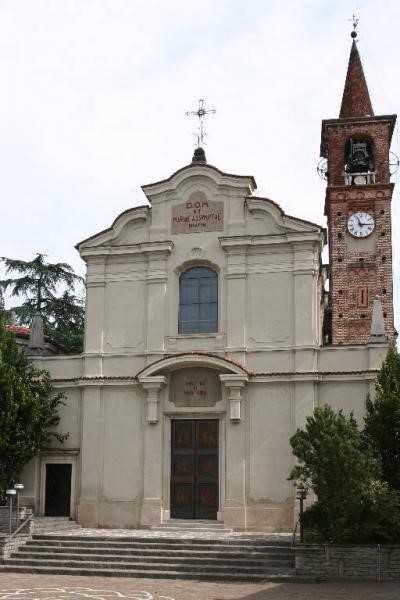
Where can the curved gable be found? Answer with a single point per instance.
(193, 359)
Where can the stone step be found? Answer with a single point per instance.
(284, 577)
(189, 565)
(210, 554)
(116, 548)
(162, 554)
(161, 541)
(44, 530)
(165, 560)
(51, 519)
(42, 525)
(205, 529)
(197, 525)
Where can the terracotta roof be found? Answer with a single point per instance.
(197, 353)
(356, 101)
(203, 166)
(125, 212)
(21, 331)
(263, 199)
(253, 375)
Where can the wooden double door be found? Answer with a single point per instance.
(194, 469)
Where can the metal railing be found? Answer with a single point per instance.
(296, 525)
(19, 528)
(365, 178)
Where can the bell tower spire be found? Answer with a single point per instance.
(356, 101)
(358, 209)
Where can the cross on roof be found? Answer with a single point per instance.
(355, 21)
(201, 112)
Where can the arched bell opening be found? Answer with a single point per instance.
(359, 166)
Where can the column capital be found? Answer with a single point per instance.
(234, 383)
(234, 380)
(152, 384)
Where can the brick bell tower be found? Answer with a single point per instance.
(358, 209)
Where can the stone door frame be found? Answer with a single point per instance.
(58, 457)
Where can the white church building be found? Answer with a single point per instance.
(210, 338)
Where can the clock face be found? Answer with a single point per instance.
(360, 224)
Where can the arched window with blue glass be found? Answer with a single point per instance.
(198, 301)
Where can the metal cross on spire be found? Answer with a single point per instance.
(201, 112)
(355, 21)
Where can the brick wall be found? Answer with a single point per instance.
(356, 263)
(374, 563)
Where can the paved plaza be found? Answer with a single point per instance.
(15, 586)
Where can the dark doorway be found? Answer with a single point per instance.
(58, 490)
(194, 469)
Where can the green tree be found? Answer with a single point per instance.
(382, 420)
(333, 462)
(28, 410)
(39, 283)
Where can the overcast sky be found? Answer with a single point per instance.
(94, 95)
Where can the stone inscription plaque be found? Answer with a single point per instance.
(196, 216)
(195, 387)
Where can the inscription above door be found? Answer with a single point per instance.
(195, 386)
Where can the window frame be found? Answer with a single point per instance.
(198, 326)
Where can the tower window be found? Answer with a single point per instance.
(198, 301)
(358, 156)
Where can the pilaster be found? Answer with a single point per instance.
(235, 453)
(153, 451)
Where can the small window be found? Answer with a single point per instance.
(362, 297)
(358, 156)
(198, 301)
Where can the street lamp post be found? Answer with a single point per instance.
(301, 495)
(19, 488)
(10, 493)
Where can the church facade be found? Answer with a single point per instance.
(210, 338)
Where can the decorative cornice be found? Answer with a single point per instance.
(246, 375)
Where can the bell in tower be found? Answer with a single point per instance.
(358, 156)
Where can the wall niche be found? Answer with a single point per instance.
(195, 386)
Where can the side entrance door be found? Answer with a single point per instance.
(58, 490)
(194, 469)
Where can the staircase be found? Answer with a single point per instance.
(157, 554)
(47, 524)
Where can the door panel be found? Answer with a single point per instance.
(194, 469)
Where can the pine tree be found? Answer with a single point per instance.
(332, 462)
(39, 284)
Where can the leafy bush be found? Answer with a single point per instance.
(28, 410)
